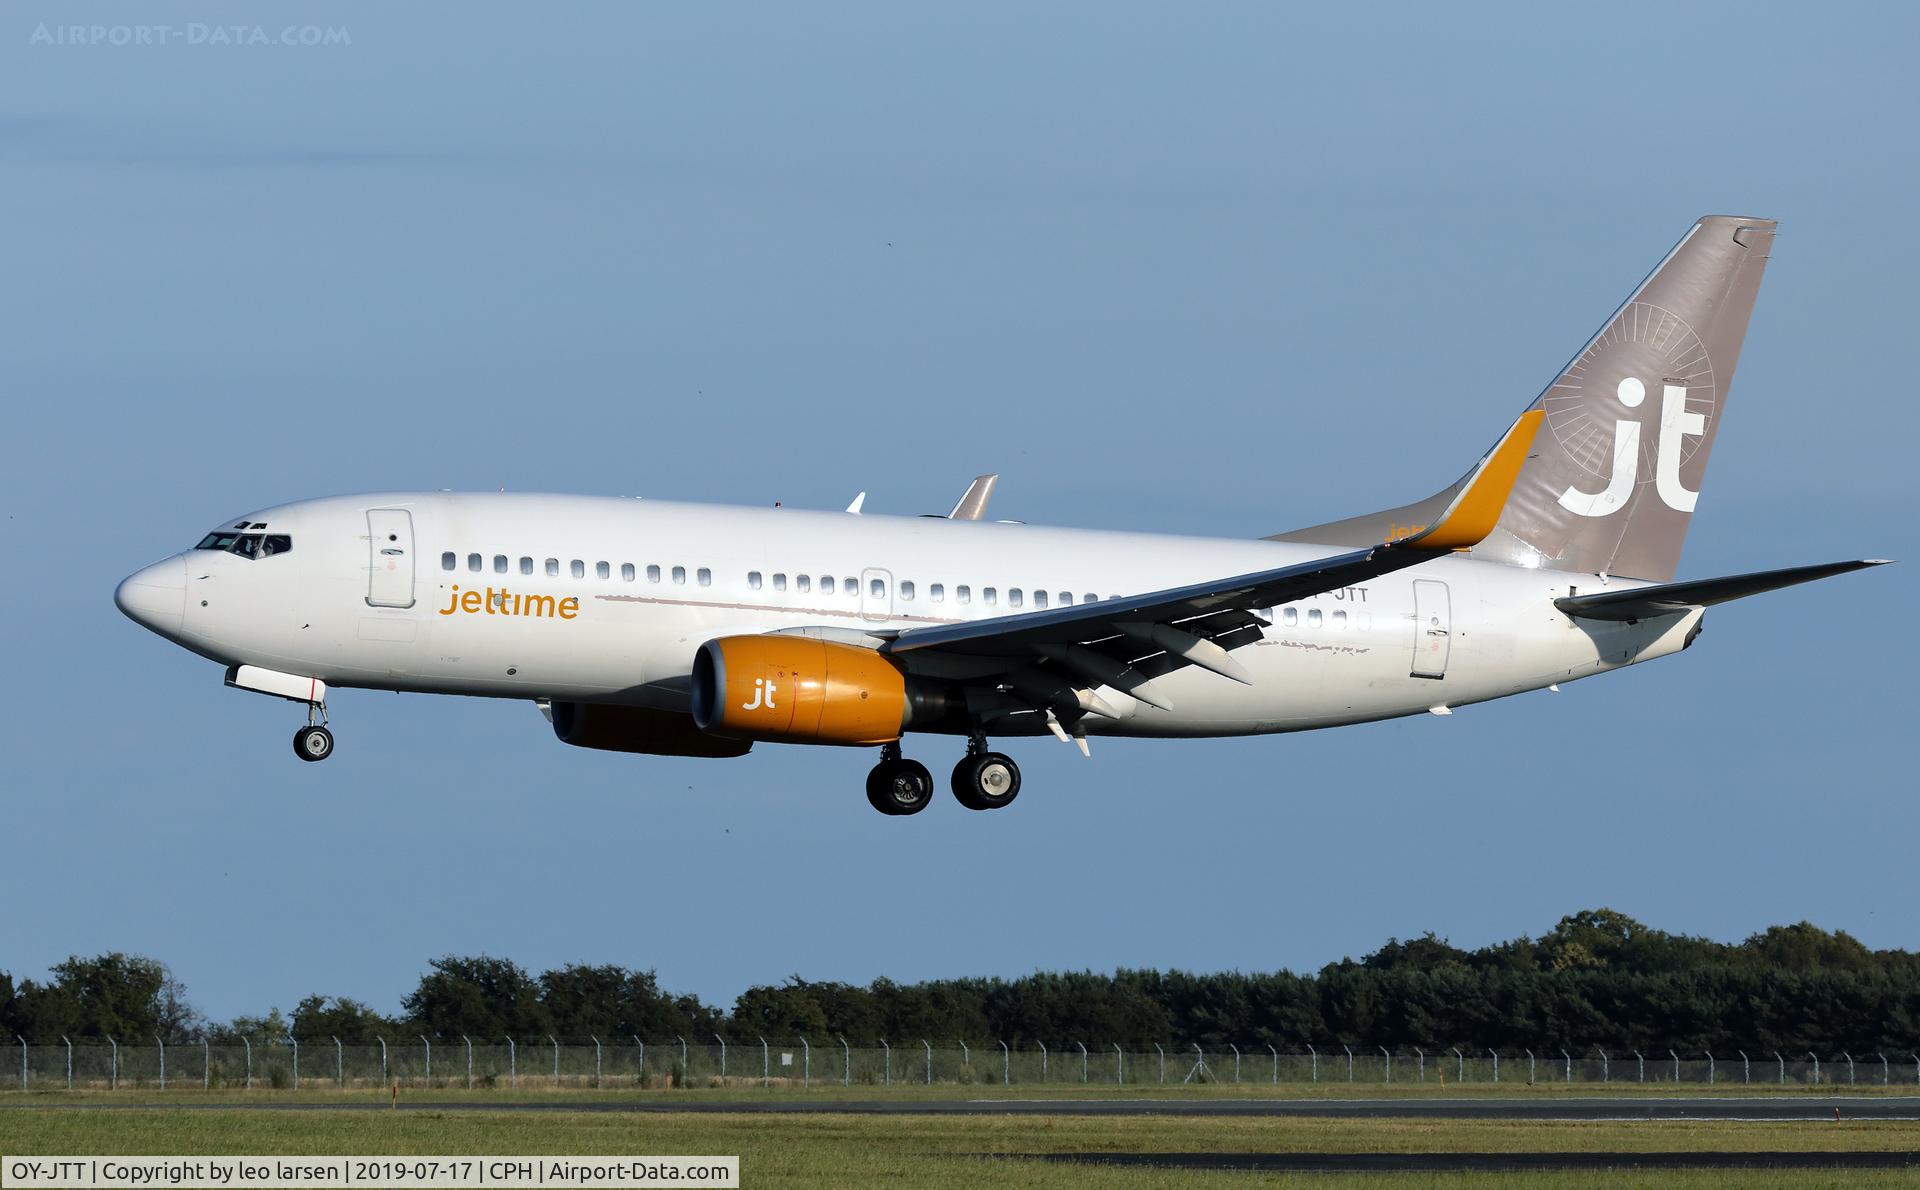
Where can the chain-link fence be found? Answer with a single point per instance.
(797, 1062)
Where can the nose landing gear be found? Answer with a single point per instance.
(314, 741)
(898, 786)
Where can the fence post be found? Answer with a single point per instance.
(1460, 1070)
(468, 1041)
(1083, 1060)
(339, 1065)
(1569, 1060)
(23, 1060)
(1885, 1072)
(1422, 1056)
(1843, 1053)
(1316, 1061)
(113, 1072)
(1746, 1067)
(1119, 1064)
(1236, 1060)
(1529, 1054)
(966, 1055)
(806, 1065)
(1043, 1060)
(929, 1045)
(429, 1046)
(766, 1067)
(1006, 1064)
(556, 1058)
(1496, 1064)
(1816, 1067)
(383, 1057)
(886, 1071)
(640, 1058)
(846, 1062)
(1783, 1067)
(683, 1054)
(1676, 1065)
(206, 1064)
(291, 1040)
(1642, 1059)
(723, 1058)
(1349, 1050)
(1915, 1057)
(1163, 1061)
(596, 1060)
(513, 1062)
(1606, 1066)
(1709, 1054)
(156, 1037)
(1276, 1063)
(249, 1045)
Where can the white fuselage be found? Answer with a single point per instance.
(676, 575)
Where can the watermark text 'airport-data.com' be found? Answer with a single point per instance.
(192, 35)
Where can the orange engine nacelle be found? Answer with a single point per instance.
(797, 689)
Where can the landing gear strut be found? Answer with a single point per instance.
(985, 780)
(898, 785)
(314, 741)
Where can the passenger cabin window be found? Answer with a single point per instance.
(1313, 617)
(826, 584)
(553, 568)
(626, 572)
(779, 582)
(1014, 597)
(877, 588)
(577, 568)
(989, 596)
(447, 560)
(1290, 617)
(499, 563)
(1339, 619)
(473, 563)
(850, 585)
(526, 566)
(653, 574)
(602, 570)
(936, 593)
(753, 580)
(906, 589)
(1066, 599)
(963, 593)
(1039, 599)
(802, 583)
(679, 576)
(705, 576)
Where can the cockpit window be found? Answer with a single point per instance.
(247, 545)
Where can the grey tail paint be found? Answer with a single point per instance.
(1612, 480)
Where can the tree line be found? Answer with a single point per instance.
(1599, 978)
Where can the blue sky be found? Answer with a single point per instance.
(1230, 271)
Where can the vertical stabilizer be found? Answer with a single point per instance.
(1616, 470)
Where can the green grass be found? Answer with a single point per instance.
(939, 1151)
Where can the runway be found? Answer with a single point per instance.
(1754, 1108)
(1479, 1162)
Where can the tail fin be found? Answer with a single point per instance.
(1611, 482)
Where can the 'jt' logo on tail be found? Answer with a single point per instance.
(1675, 421)
(762, 696)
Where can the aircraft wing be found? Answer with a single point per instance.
(1124, 643)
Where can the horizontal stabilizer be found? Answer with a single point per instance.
(1643, 603)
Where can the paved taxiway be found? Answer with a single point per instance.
(1769, 1108)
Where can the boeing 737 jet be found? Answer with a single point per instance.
(691, 630)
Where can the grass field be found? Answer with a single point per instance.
(837, 1149)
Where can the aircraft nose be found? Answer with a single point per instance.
(155, 598)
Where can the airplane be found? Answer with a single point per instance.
(677, 629)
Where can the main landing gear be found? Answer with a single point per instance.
(314, 741)
(982, 780)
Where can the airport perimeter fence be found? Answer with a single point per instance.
(547, 1063)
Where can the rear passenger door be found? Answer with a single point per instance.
(390, 557)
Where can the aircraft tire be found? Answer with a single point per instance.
(986, 781)
(899, 787)
(313, 743)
